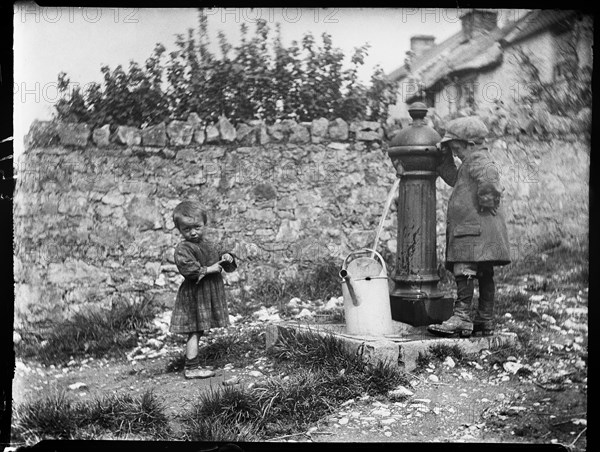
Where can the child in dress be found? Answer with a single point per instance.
(200, 302)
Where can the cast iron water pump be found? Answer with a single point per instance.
(415, 298)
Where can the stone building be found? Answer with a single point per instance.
(482, 64)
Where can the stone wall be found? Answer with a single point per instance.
(93, 207)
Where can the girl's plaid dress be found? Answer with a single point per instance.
(200, 305)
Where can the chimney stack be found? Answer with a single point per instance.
(478, 21)
(420, 43)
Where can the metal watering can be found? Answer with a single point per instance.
(366, 294)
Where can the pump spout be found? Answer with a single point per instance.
(350, 284)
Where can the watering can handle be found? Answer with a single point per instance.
(366, 251)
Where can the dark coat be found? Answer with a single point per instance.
(473, 233)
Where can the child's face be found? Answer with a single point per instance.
(191, 229)
(459, 148)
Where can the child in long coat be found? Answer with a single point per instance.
(476, 234)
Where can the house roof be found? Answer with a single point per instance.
(534, 22)
(483, 51)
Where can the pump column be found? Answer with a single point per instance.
(415, 298)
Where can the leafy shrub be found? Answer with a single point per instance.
(258, 79)
(560, 97)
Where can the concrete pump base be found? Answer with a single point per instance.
(401, 347)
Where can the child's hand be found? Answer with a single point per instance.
(492, 210)
(214, 268)
(227, 257)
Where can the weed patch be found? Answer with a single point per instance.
(55, 416)
(124, 414)
(320, 282)
(560, 261)
(322, 376)
(439, 352)
(96, 333)
(239, 349)
(517, 303)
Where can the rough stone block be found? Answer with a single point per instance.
(188, 155)
(143, 214)
(113, 198)
(226, 129)
(72, 206)
(367, 135)
(338, 130)
(180, 133)
(338, 146)
(263, 136)
(264, 215)
(129, 136)
(288, 125)
(318, 130)
(75, 271)
(212, 134)
(73, 134)
(199, 136)
(155, 135)
(299, 135)
(289, 231)
(101, 136)
(276, 132)
(41, 134)
(246, 134)
(583, 121)
(194, 120)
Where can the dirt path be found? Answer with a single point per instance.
(537, 395)
(465, 406)
(467, 403)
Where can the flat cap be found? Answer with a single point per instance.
(469, 128)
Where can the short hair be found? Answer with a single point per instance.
(189, 209)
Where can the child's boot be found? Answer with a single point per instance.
(192, 369)
(460, 323)
(484, 317)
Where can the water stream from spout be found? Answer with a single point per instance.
(388, 202)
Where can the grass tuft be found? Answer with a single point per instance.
(125, 414)
(96, 333)
(55, 416)
(439, 352)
